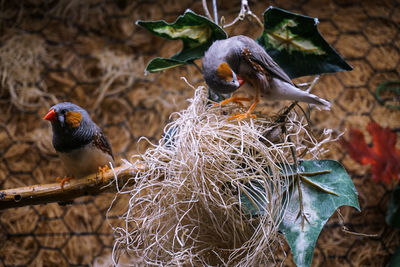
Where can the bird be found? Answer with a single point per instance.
(230, 62)
(79, 142)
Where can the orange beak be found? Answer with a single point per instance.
(240, 80)
(50, 116)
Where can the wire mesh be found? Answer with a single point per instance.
(91, 53)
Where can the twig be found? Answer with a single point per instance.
(346, 230)
(243, 13)
(197, 67)
(206, 9)
(215, 10)
(313, 83)
(297, 177)
(46, 193)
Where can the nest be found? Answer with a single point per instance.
(214, 191)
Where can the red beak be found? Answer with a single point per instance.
(240, 80)
(50, 116)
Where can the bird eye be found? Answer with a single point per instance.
(63, 111)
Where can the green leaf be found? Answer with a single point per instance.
(327, 188)
(196, 32)
(253, 199)
(393, 209)
(295, 43)
(160, 64)
(318, 206)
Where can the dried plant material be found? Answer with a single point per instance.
(119, 71)
(187, 207)
(85, 13)
(21, 63)
(152, 103)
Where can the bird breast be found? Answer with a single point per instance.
(84, 161)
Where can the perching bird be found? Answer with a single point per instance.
(80, 143)
(230, 62)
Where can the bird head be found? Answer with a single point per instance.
(66, 116)
(72, 126)
(224, 80)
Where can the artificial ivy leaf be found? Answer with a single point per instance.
(160, 64)
(196, 32)
(318, 205)
(254, 200)
(295, 43)
(327, 188)
(393, 209)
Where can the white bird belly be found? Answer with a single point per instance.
(84, 161)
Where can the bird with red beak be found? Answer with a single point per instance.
(229, 63)
(81, 145)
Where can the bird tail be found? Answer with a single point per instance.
(286, 91)
(319, 102)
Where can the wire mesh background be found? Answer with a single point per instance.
(91, 53)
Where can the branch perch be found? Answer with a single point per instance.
(47, 193)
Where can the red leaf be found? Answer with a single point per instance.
(383, 155)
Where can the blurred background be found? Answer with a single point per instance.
(92, 53)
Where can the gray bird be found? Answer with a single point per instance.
(80, 143)
(230, 62)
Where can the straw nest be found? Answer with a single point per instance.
(198, 202)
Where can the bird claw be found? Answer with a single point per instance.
(103, 170)
(217, 104)
(241, 116)
(234, 99)
(62, 181)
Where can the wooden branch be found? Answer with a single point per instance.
(46, 193)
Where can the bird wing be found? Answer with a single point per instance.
(270, 66)
(101, 142)
(260, 56)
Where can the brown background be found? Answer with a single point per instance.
(92, 54)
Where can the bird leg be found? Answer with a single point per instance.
(234, 99)
(62, 181)
(103, 170)
(247, 114)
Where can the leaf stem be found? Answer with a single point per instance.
(297, 176)
(206, 9)
(197, 67)
(243, 13)
(317, 186)
(315, 173)
(214, 4)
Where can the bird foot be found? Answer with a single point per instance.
(241, 116)
(103, 170)
(62, 181)
(237, 100)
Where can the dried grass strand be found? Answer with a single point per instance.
(186, 208)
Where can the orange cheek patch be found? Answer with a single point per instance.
(224, 72)
(73, 119)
